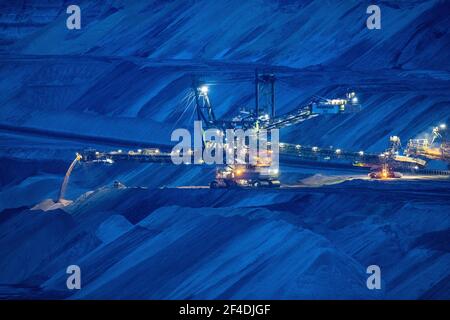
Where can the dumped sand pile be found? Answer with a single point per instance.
(320, 180)
(49, 204)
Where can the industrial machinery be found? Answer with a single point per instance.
(263, 116)
(385, 169)
(141, 155)
(384, 172)
(435, 148)
(259, 173)
(382, 166)
(391, 159)
(256, 176)
(392, 155)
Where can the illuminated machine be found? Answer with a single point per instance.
(263, 117)
(391, 159)
(436, 148)
(246, 176)
(384, 172)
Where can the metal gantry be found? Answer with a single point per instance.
(264, 117)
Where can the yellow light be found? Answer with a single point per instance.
(384, 173)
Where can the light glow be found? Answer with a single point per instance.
(204, 90)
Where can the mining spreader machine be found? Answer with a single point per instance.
(436, 147)
(263, 117)
(246, 175)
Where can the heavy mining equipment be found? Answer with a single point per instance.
(384, 172)
(256, 176)
(436, 148)
(383, 165)
(391, 159)
(263, 115)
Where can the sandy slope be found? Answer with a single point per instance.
(178, 243)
